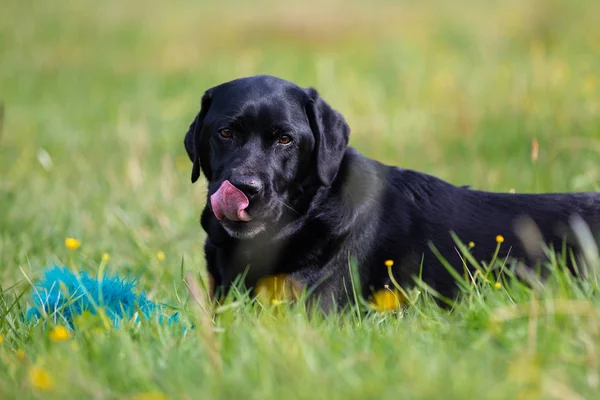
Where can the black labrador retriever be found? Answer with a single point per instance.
(286, 195)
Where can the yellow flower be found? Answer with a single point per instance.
(275, 289)
(1, 338)
(40, 378)
(72, 243)
(20, 354)
(471, 245)
(498, 285)
(387, 300)
(105, 257)
(389, 263)
(160, 255)
(500, 239)
(59, 334)
(150, 396)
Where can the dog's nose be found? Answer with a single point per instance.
(250, 185)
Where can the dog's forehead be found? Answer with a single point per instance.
(258, 83)
(262, 97)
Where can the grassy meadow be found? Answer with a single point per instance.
(95, 99)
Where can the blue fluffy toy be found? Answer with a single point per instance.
(65, 295)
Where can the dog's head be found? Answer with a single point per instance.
(258, 140)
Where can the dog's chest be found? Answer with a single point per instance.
(255, 260)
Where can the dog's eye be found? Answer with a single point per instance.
(225, 133)
(285, 139)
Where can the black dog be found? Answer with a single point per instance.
(288, 196)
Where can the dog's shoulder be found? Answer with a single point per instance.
(423, 188)
(362, 180)
(360, 174)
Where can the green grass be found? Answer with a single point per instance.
(97, 97)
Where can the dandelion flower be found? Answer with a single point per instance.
(275, 289)
(387, 300)
(498, 285)
(499, 239)
(20, 354)
(72, 243)
(160, 255)
(471, 245)
(1, 339)
(59, 334)
(389, 263)
(105, 257)
(40, 378)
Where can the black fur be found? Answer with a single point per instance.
(322, 202)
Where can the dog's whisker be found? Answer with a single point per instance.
(289, 207)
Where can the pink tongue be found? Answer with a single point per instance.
(229, 202)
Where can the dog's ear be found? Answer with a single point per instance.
(194, 144)
(331, 134)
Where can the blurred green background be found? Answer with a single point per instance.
(97, 97)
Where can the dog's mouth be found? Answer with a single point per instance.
(231, 207)
(243, 230)
(230, 203)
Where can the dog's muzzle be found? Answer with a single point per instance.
(230, 203)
